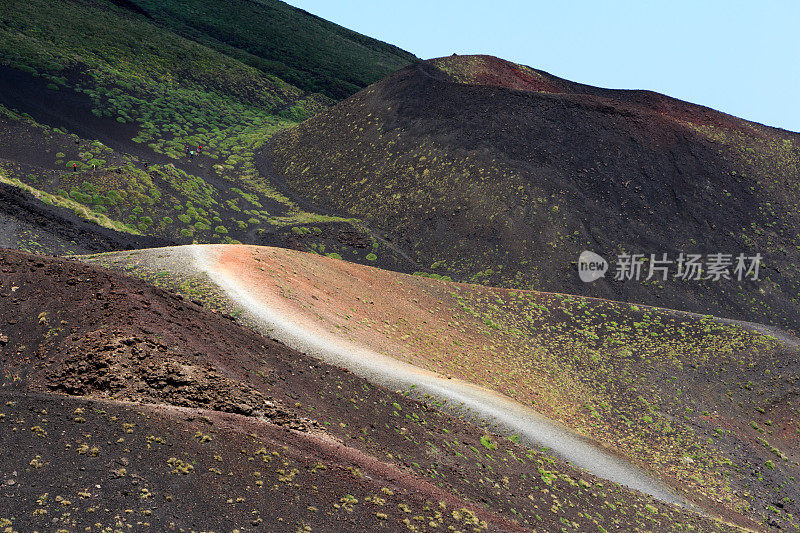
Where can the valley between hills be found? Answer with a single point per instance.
(259, 272)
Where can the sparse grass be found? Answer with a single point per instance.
(632, 377)
(79, 209)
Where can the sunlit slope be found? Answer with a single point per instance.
(699, 403)
(124, 405)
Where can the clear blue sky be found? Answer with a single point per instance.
(737, 56)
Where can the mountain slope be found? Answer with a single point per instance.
(102, 104)
(707, 407)
(31, 225)
(123, 404)
(302, 49)
(497, 173)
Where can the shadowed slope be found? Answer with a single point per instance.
(148, 113)
(300, 48)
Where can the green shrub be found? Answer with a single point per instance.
(433, 276)
(24, 68)
(99, 199)
(79, 196)
(487, 443)
(52, 86)
(371, 257)
(221, 230)
(334, 255)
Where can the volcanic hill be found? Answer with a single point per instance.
(124, 406)
(127, 405)
(496, 173)
(707, 406)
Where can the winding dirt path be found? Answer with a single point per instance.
(280, 319)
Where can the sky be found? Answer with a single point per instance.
(740, 57)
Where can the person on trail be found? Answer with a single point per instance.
(199, 148)
(191, 154)
(74, 167)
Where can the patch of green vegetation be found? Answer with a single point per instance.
(488, 443)
(433, 275)
(277, 39)
(227, 99)
(79, 209)
(581, 361)
(303, 217)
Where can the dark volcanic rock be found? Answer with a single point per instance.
(496, 173)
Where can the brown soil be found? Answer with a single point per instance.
(183, 375)
(422, 322)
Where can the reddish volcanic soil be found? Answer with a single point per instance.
(125, 405)
(495, 72)
(423, 322)
(356, 302)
